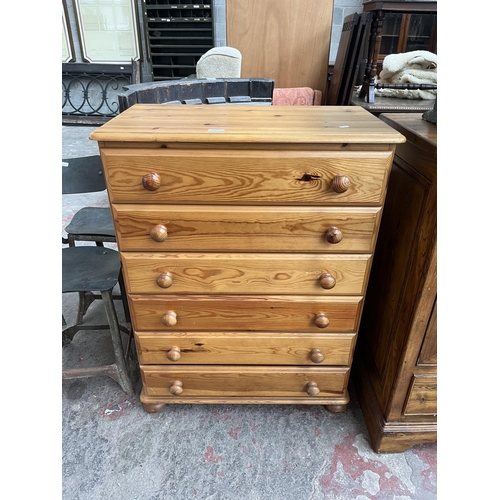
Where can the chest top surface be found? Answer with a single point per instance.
(247, 124)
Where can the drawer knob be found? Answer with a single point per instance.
(164, 280)
(174, 354)
(327, 281)
(159, 233)
(151, 181)
(317, 356)
(321, 320)
(176, 388)
(312, 389)
(170, 318)
(334, 235)
(340, 183)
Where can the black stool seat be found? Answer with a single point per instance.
(96, 269)
(92, 221)
(89, 268)
(82, 175)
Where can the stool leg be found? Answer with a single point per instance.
(123, 294)
(123, 378)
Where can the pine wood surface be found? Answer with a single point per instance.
(249, 125)
(246, 235)
(255, 177)
(245, 312)
(256, 273)
(257, 348)
(228, 381)
(246, 228)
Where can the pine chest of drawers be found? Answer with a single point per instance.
(246, 235)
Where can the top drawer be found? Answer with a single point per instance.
(251, 177)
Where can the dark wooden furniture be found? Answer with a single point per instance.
(246, 235)
(354, 37)
(395, 368)
(397, 26)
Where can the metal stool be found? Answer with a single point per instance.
(94, 224)
(96, 269)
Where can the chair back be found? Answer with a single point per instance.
(219, 62)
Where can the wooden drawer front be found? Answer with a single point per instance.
(246, 229)
(273, 274)
(240, 177)
(422, 398)
(243, 381)
(245, 313)
(229, 348)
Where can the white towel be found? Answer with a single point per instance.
(418, 66)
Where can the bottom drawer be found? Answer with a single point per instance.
(238, 381)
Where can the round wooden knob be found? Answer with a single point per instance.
(176, 388)
(164, 280)
(340, 183)
(170, 318)
(151, 181)
(159, 233)
(174, 354)
(317, 356)
(312, 389)
(334, 235)
(321, 320)
(327, 281)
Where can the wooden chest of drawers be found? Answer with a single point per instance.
(246, 235)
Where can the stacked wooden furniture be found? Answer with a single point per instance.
(246, 235)
(395, 369)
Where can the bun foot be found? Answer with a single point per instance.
(153, 407)
(336, 408)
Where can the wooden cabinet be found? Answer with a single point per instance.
(395, 369)
(246, 235)
(397, 26)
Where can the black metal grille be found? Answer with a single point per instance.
(92, 94)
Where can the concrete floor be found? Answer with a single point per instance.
(113, 449)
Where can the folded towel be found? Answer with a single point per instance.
(418, 66)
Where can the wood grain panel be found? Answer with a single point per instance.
(255, 177)
(287, 40)
(257, 273)
(422, 398)
(226, 348)
(245, 313)
(224, 381)
(428, 353)
(246, 228)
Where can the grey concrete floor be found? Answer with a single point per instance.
(113, 449)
